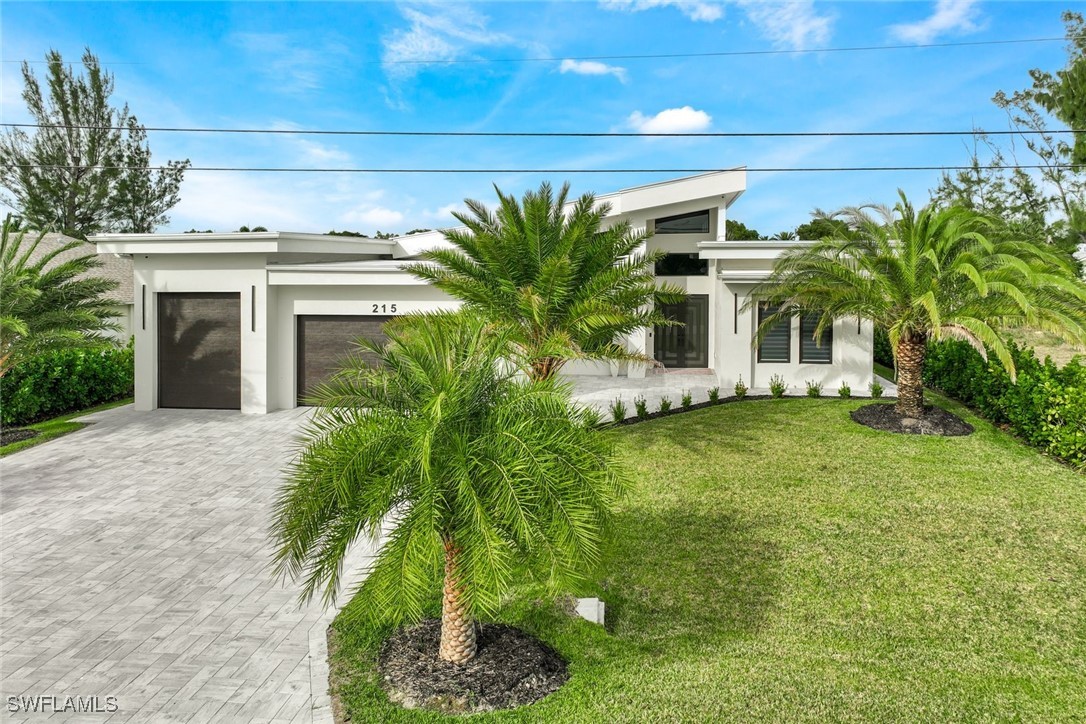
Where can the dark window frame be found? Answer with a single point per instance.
(763, 312)
(702, 264)
(677, 217)
(807, 325)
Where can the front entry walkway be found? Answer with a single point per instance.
(136, 565)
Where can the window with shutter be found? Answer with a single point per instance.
(812, 351)
(777, 344)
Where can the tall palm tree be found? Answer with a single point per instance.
(924, 275)
(562, 284)
(479, 469)
(46, 303)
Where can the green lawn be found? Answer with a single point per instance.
(54, 428)
(776, 561)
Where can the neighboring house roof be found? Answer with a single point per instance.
(116, 268)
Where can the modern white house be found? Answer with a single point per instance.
(250, 321)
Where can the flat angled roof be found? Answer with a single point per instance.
(242, 242)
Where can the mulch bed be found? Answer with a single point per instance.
(677, 408)
(511, 668)
(936, 421)
(16, 434)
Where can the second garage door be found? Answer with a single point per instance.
(324, 340)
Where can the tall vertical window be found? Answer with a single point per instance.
(776, 345)
(811, 350)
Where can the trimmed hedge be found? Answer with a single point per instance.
(884, 353)
(1046, 407)
(65, 381)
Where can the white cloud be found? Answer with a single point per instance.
(698, 10)
(671, 120)
(288, 65)
(373, 216)
(313, 152)
(592, 67)
(950, 16)
(795, 25)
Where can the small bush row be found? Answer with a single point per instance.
(1046, 406)
(65, 381)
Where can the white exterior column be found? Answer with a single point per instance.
(721, 223)
(638, 340)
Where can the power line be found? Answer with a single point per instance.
(780, 169)
(549, 134)
(665, 56)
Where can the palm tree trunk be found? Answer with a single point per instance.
(543, 368)
(457, 625)
(910, 381)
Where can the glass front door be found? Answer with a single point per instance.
(686, 344)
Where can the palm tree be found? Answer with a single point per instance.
(480, 470)
(924, 275)
(48, 304)
(564, 286)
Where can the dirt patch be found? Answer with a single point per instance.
(16, 434)
(935, 421)
(511, 668)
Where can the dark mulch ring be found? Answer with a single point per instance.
(936, 421)
(511, 669)
(16, 434)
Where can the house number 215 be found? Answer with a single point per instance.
(384, 308)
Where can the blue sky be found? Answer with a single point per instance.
(341, 66)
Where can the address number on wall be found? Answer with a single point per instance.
(384, 309)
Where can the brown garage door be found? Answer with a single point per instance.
(199, 350)
(324, 340)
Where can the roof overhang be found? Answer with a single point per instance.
(746, 250)
(720, 187)
(261, 242)
(342, 273)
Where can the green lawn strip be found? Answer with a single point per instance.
(57, 426)
(777, 561)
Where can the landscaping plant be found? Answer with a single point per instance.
(814, 389)
(777, 388)
(665, 405)
(618, 410)
(740, 388)
(927, 275)
(48, 305)
(475, 473)
(844, 390)
(714, 394)
(561, 284)
(641, 407)
(687, 399)
(876, 390)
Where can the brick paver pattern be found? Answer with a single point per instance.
(136, 564)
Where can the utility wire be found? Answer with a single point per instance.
(779, 169)
(653, 56)
(549, 134)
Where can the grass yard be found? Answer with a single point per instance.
(776, 561)
(54, 428)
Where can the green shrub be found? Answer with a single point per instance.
(876, 390)
(844, 390)
(714, 394)
(883, 352)
(740, 388)
(618, 410)
(688, 400)
(1046, 406)
(65, 381)
(642, 408)
(665, 405)
(777, 387)
(814, 389)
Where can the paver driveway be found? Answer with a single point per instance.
(135, 564)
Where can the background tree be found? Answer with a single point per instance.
(1048, 206)
(562, 285)
(47, 305)
(922, 275)
(481, 471)
(738, 231)
(70, 174)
